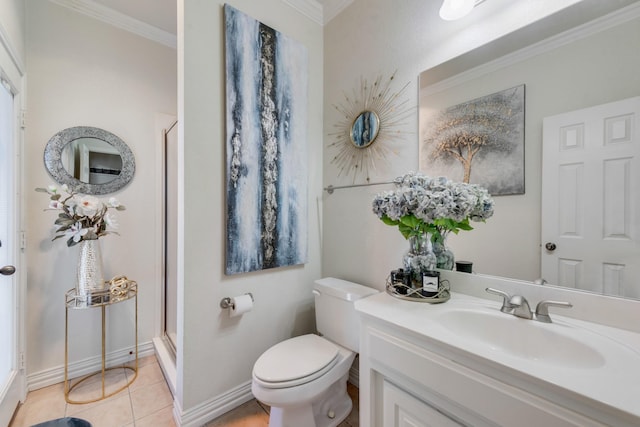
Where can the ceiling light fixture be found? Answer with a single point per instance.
(456, 9)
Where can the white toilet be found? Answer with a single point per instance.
(304, 379)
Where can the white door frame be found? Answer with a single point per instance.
(12, 71)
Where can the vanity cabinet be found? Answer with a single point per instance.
(410, 379)
(413, 386)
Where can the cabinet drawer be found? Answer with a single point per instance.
(401, 409)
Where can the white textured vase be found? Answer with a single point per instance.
(90, 278)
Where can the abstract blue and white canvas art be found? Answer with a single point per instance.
(266, 157)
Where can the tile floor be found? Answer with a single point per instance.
(146, 402)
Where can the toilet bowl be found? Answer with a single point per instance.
(318, 392)
(304, 379)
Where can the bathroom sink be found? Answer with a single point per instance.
(553, 344)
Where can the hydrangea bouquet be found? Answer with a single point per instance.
(437, 206)
(81, 217)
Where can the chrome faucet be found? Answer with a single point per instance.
(507, 307)
(519, 306)
(542, 309)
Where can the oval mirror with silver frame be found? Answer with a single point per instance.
(89, 160)
(364, 129)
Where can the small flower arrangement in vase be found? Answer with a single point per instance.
(427, 209)
(83, 219)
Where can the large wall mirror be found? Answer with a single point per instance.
(583, 56)
(89, 160)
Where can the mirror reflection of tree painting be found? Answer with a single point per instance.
(480, 141)
(365, 129)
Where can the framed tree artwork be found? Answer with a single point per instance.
(480, 141)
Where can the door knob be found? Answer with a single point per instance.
(550, 246)
(7, 270)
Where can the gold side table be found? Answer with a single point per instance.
(101, 299)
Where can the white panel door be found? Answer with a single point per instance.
(591, 197)
(10, 374)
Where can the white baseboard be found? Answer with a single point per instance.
(87, 366)
(213, 408)
(220, 405)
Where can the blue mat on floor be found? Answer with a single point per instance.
(64, 422)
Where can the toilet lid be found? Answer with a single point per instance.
(295, 361)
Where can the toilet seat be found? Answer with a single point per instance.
(295, 361)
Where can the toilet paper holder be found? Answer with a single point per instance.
(227, 302)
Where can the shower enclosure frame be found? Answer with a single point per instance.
(169, 340)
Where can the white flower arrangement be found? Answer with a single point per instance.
(81, 216)
(421, 204)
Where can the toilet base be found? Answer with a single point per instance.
(329, 410)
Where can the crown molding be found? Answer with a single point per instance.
(120, 20)
(610, 20)
(310, 8)
(319, 11)
(331, 8)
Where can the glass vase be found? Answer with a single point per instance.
(419, 258)
(444, 256)
(90, 278)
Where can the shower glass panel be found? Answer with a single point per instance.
(171, 236)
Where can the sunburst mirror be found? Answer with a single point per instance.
(371, 120)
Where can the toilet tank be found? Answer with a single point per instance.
(336, 317)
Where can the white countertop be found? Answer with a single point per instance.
(613, 380)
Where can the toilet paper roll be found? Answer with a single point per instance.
(240, 305)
